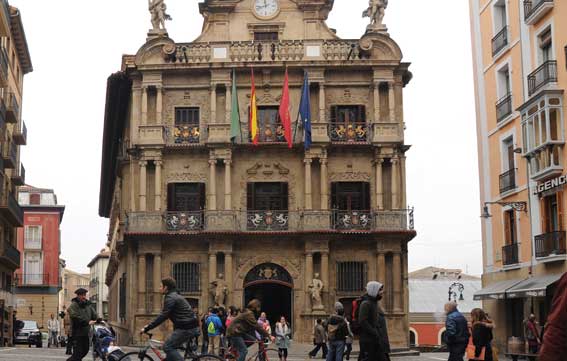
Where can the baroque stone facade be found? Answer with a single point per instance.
(184, 200)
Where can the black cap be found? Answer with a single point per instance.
(81, 291)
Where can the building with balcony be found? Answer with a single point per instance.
(185, 200)
(520, 108)
(98, 290)
(15, 62)
(71, 281)
(38, 281)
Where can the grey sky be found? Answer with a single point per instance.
(76, 44)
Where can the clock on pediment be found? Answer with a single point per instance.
(265, 9)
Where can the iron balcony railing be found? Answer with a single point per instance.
(546, 73)
(185, 221)
(530, 7)
(185, 134)
(12, 109)
(34, 279)
(352, 220)
(267, 220)
(348, 132)
(21, 135)
(500, 40)
(508, 181)
(19, 177)
(503, 107)
(510, 254)
(10, 154)
(550, 244)
(11, 254)
(4, 63)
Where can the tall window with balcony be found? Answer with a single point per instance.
(500, 39)
(267, 206)
(33, 267)
(546, 72)
(504, 103)
(185, 205)
(510, 249)
(508, 177)
(351, 205)
(348, 123)
(552, 240)
(186, 128)
(270, 128)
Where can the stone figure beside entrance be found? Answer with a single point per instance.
(315, 289)
(219, 290)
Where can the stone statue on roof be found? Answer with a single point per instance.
(159, 16)
(376, 10)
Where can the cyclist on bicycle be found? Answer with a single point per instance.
(185, 323)
(244, 327)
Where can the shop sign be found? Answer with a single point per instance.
(551, 184)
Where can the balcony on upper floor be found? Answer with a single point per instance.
(21, 134)
(510, 254)
(10, 209)
(545, 74)
(507, 181)
(550, 244)
(4, 66)
(2, 112)
(19, 176)
(10, 254)
(10, 154)
(151, 135)
(503, 107)
(349, 132)
(534, 10)
(4, 18)
(500, 41)
(33, 280)
(12, 108)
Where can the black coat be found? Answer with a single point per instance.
(177, 309)
(482, 336)
(373, 323)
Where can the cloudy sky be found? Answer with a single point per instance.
(76, 44)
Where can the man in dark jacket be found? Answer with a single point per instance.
(319, 340)
(374, 341)
(185, 323)
(244, 326)
(456, 332)
(337, 331)
(554, 347)
(82, 315)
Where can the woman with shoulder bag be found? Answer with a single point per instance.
(481, 336)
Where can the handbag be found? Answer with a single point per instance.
(471, 349)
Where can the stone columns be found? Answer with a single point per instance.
(308, 278)
(322, 103)
(397, 275)
(157, 206)
(376, 91)
(159, 105)
(392, 101)
(228, 275)
(325, 270)
(227, 185)
(144, 105)
(212, 266)
(141, 283)
(395, 182)
(213, 103)
(157, 283)
(132, 188)
(308, 199)
(379, 190)
(143, 165)
(403, 201)
(228, 103)
(381, 267)
(324, 185)
(212, 185)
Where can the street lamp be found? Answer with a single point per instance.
(517, 206)
(453, 294)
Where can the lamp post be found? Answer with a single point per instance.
(453, 294)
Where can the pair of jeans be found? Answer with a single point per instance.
(176, 341)
(457, 352)
(237, 342)
(80, 348)
(52, 339)
(313, 353)
(336, 350)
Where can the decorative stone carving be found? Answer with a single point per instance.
(376, 10)
(157, 10)
(219, 290)
(350, 176)
(186, 177)
(315, 289)
(267, 169)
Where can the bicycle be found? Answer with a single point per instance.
(153, 346)
(264, 352)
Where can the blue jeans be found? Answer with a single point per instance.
(336, 350)
(176, 341)
(238, 343)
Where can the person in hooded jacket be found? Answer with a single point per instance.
(554, 347)
(82, 315)
(374, 341)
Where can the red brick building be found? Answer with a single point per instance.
(39, 278)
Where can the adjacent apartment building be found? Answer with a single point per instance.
(15, 62)
(199, 183)
(38, 281)
(98, 290)
(519, 53)
(71, 282)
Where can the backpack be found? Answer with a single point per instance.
(354, 323)
(338, 331)
(211, 329)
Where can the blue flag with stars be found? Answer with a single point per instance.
(305, 111)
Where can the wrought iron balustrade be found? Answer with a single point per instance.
(271, 133)
(394, 220)
(503, 107)
(11, 254)
(267, 220)
(510, 254)
(546, 73)
(348, 132)
(21, 135)
(351, 220)
(550, 244)
(532, 6)
(500, 40)
(186, 134)
(4, 63)
(185, 221)
(508, 181)
(34, 279)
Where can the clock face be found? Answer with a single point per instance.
(266, 8)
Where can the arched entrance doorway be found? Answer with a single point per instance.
(272, 285)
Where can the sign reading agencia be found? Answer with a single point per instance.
(550, 184)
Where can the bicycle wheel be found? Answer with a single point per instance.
(205, 357)
(271, 354)
(135, 356)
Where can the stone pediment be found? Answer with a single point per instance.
(152, 52)
(267, 169)
(380, 46)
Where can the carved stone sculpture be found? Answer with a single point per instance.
(376, 10)
(219, 290)
(159, 16)
(315, 288)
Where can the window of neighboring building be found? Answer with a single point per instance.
(510, 227)
(504, 84)
(48, 199)
(186, 197)
(351, 276)
(499, 16)
(32, 237)
(266, 36)
(552, 213)
(33, 269)
(349, 196)
(187, 276)
(545, 43)
(35, 198)
(545, 114)
(23, 198)
(263, 196)
(508, 148)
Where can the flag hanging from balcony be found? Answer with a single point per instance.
(284, 111)
(253, 112)
(235, 129)
(305, 111)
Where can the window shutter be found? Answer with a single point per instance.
(284, 193)
(250, 196)
(507, 228)
(334, 113)
(543, 208)
(171, 196)
(366, 196)
(202, 196)
(334, 195)
(560, 210)
(361, 113)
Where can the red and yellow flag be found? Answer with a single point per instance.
(253, 113)
(284, 111)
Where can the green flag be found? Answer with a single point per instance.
(235, 130)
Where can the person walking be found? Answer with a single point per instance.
(348, 342)
(337, 331)
(481, 335)
(214, 329)
(82, 315)
(456, 332)
(283, 334)
(554, 346)
(53, 327)
(179, 312)
(68, 333)
(244, 326)
(531, 334)
(319, 340)
(374, 341)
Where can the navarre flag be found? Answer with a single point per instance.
(284, 111)
(253, 112)
(305, 111)
(235, 130)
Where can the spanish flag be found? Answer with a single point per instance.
(253, 113)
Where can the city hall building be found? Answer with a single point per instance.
(199, 182)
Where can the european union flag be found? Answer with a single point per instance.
(305, 111)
